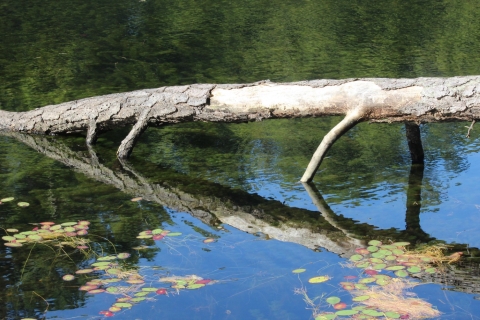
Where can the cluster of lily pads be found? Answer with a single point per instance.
(48, 231)
(9, 199)
(396, 263)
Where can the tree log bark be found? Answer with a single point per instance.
(376, 100)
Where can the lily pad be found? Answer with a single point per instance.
(95, 291)
(84, 271)
(82, 232)
(325, 316)
(9, 238)
(123, 255)
(113, 271)
(12, 230)
(195, 286)
(136, 199)
(375, 243)
(367, 280)
(114, 309)
(13, 244)
(137, 299)
(319, 279)
(112, 289)
(299, 270)
(20, 236)
(149, 289)
(88, 287)
(23, 204)
(430, 270)
(7, 199)
(107, 258)
(161, 291)
(378, 255)
(362, 251)
(122, 305)
(346, 312)
(145, 236)
(141, 294)
(356, 257)
(379, 266)
(135, 281)
(35, 237)
(395, 268)
(401, 273)
(414, 269)
(68, 277)
(373, 313)
(401, 244)
(372, 248)
(209, 240)
(333, 300)
(158, 237)
(157, 231)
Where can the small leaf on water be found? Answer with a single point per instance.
(107, 258)
(136, 199)
(398, 252)
(379, 266)
(35, 237)
(122, 305)
(367, 280)
(371, 272)
(375, 243)
(356, 257)
(95, 291)
(68, 224)
(430, 270)
(360, 286)
(195, 286)
(299, 270)
(395, 268)
(23, 204)
(13, 244)
(319, 279)
(83, 271)
(19, 236)
(138, 299)
(12, 230)
(414, 269)
(9, 238)
(112, 289)
(333, 300)
(361, 298)
(113, 271)
(157, 231)
(393, 315)
(339, 306)
(123, 255)
(378, 255)
(388, 246)
(112, 280)
(391, 258)
(209, 240)
(68, 277)
(107, 313)
(67, 229)
(145, 236)
(84, 223)
(7, 199)
(141, 294)
(115, 309)
(346, 312)
(382, 281)
(325, 316)
(101, 263)
(362, 265)
(174, 234)
(372, 249)
(135, 281)
(149, 289)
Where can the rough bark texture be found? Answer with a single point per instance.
(376, 100)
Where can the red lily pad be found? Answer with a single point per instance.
(339, 306)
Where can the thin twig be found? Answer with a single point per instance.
(48, 305)
(470, 129)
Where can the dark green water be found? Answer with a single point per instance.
(194, 176)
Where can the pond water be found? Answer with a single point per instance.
(233, 184)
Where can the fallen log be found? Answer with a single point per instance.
(376, 100)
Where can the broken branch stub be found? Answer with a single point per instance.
(375, 100)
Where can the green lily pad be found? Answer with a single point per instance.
(367, 280)
(23, 204)
(123, 255)
(135, 281)
(398, 252)
(84, 271)
(375, 243)
(392, 315)
(195, 286)
(379, 266)
(333, 300)
(112, 280)
(361, 286)
(362, 265)
(395, 268)
(35, 237)
(122, 305)
(346, 312)
(299, 270)
(356, 257)
(361, 298)
(401, 273)
(101, 263)
(376, 260)
(12, 230)
(68, 224)
(137, 299)
(326, 316)
(372, 248)
(20, 236)
(378, 255)
(319, 279)
(383, 281)
(149, 289)
(113, 271)
(385, 252)
(9, 238)
(157, 231)
(7, 199)
(107, 258)
(388, 246)
(145, 236)
(112, 289)
(414, 269)
(141, 294)
(430, 270)
(390, 258)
